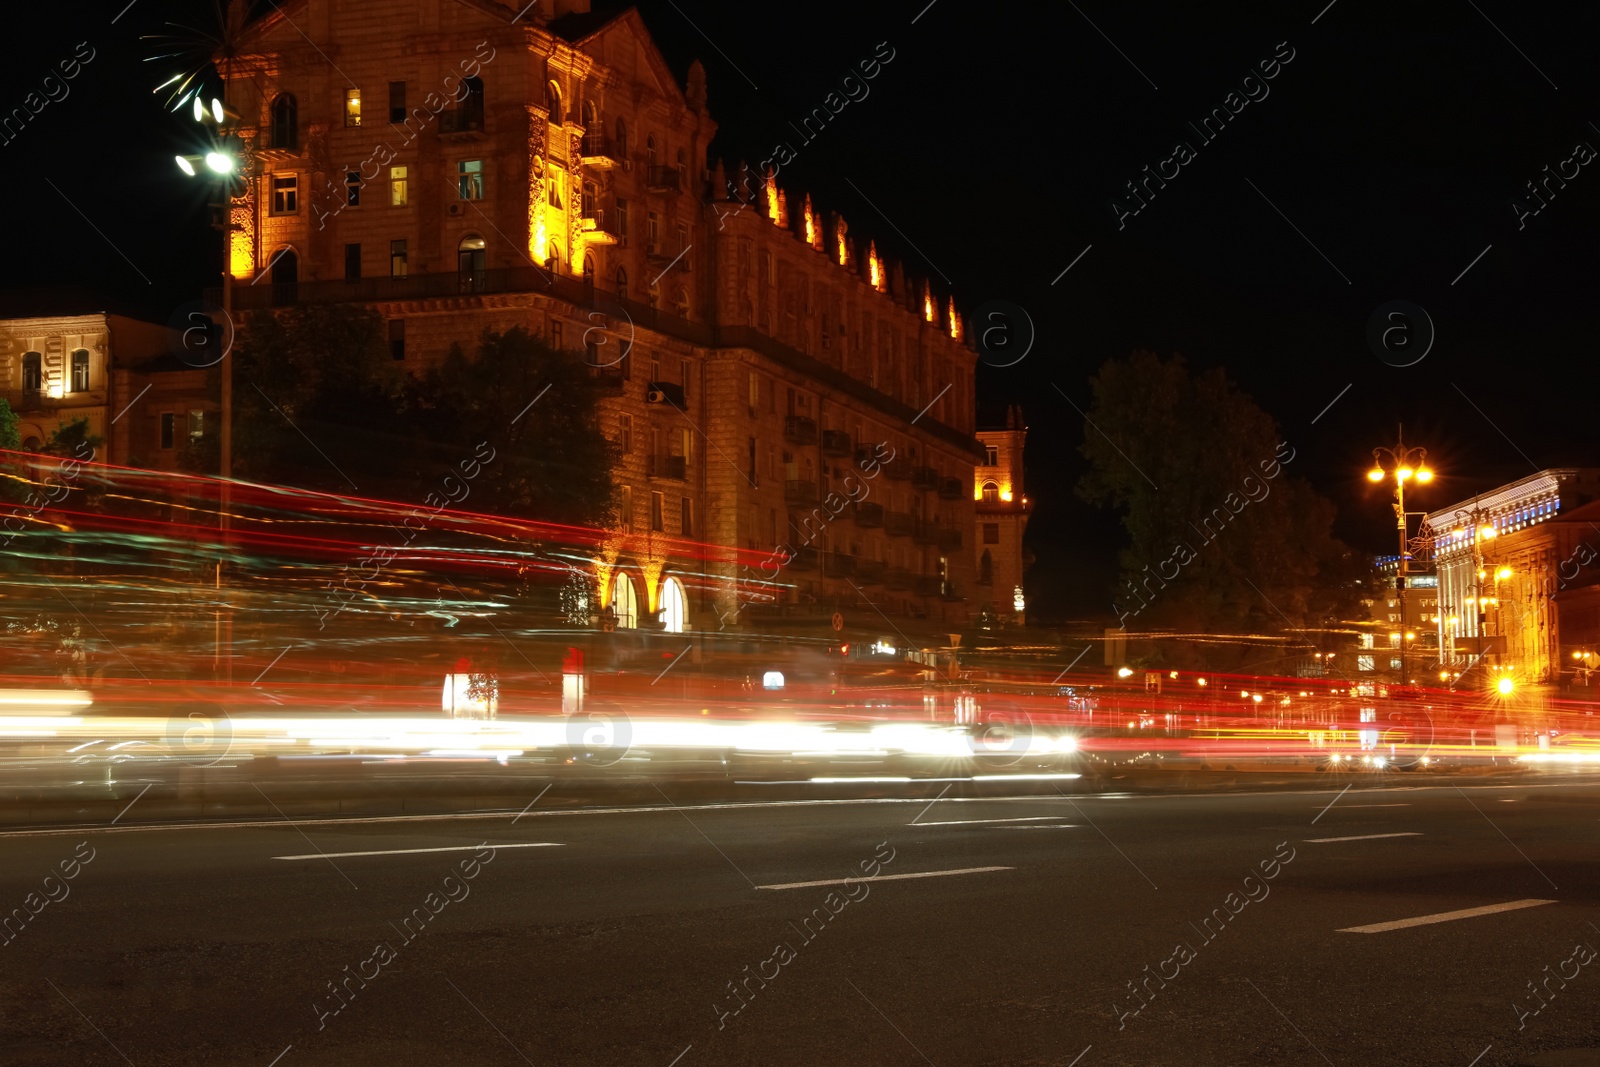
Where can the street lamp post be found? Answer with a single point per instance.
(1402, 464)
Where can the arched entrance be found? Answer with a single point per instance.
(674, 606)
(625, 602)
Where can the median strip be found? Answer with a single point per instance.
(881, 877)
(1443, 917)
(413, 851)
(1361, 837)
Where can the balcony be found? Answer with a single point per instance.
(949, 540)
(926, 533)
(462, 120)
(672, 467)
(897, 470)
(924, 477)
(664, 179)
(898, 578)
(871, 572)
(805, 559)
(869, 515)
(669, 393)
(799, 430)
(603, 228)
(835, 443)
(951, 489)
(607, 379)
(838, 565)
(679, 262)
(799, 491)
(599, 151)
(899, 524)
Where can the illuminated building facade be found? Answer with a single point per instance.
(1380, 643)
(1001, 520)
(786, 391)
(57, 362)
(1508, 567)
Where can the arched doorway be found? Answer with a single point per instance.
(471, 261)
(674, 606)
(285, 277)
(624, 602)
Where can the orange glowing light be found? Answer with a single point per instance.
(874, 266)
(811, 224)
(955, 322)
(930, 311)
(838, 237)
(772, 201)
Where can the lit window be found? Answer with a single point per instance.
(398, 262)
(352, 107)
(352, 188)
(197, 424)
(399, 187)
(469, 179)
(991, 456)
(991, 493)
(80, 371)
(285, 194)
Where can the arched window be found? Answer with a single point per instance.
(622, 137)
(674, 606)
(991, 493)
(588, 269)
(683, 158)
(591, 117)
(680, 301)
(650, 150)
(986, 568)
(32, 372)
(624, 602)
(552, 100)
(470, 96)
(471, 263)
(622, 284)
(553, 264)
(653, 298)
(285, 122)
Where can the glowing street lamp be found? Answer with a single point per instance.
(1505, 685)
(1401, 463)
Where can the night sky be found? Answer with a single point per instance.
(1375, 165)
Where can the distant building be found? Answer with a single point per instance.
(1381, 642)
(1516, 571)
(1002, 520)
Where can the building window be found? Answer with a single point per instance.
(471, 261)
(650, 150)
(656, 519)
(685, 372)
(622, 138)
(469, 179)
(197, 424)
(683, 237)
(352, 107)
(471, 97)
(622, 284)
(687, 517)
(397, 339)
(32, 372)
(553, 190)
(625, 602)
(991, 456)
(591, 196)
(991, 493)
(622, 222)
(398, 264)
(625, 433)
(552, 100)
(399, 187)
(397, 102)
(991, 533)
(652, 236)
(285, 122)
(625, 509)
(352, 262)
(555, 334)
(285, 194)
(169, 425)
(673, 604)
(680, 301)
(352, 188)
(986, 568)
(653, 296)
(80, 371)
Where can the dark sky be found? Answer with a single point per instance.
(1385, 157)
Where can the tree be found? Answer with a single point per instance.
(1221, 535)
(535, 409)
(10, 427)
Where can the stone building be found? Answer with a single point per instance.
(777, 387)
(1002, 520)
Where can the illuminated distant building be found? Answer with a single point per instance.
(787, 392)
(1379, 643)
(1002, 519)
(1519, 576)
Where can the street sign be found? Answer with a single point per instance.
(838, 622)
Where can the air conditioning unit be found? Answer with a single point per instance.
(458, 208)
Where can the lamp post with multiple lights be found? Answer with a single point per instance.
(1402, 464)
(225, 165)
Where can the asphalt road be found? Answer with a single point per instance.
(612, 936)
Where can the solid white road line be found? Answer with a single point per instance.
(983, 821)
(885, 877)
(1362, 837)
(1443, 917)
(412, 851)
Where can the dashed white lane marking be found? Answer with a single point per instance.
(411, 851)
(885, 877)
(1361, 837)
(1443, 917)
